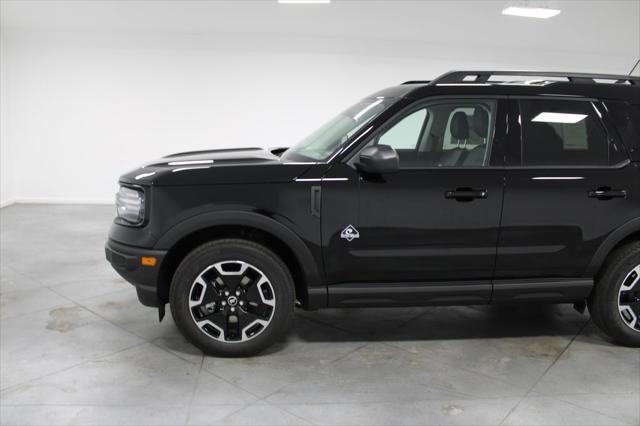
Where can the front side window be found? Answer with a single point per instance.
(562, 133)
(444, 134)
(405, 134)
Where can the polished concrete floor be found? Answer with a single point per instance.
(77, 348)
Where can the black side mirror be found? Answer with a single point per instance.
(378, 159)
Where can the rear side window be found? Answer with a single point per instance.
(562, 133)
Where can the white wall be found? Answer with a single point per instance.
(84, 106)
(7, 175)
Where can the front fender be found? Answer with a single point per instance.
(316, 287)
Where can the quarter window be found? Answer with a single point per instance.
(562, 133)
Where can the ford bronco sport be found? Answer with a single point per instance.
(478, 187)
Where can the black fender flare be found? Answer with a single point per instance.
(250, 219)
(609, 243)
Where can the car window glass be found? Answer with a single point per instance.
(404, 135)
(562, 133)
(626, 119)
(444, 134)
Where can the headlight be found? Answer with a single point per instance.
(130, 205)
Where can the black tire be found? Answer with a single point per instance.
(230, 250)
(603, 302)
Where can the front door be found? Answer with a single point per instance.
(431, 226)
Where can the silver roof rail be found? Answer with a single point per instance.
(461, 77)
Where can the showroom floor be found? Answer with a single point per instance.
(77, 348)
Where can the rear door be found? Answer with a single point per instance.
(569, 185)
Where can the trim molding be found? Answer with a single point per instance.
(409, 293)
(433, 293)
(554, 290)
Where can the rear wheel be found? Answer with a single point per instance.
(615, 301)
(232, 297)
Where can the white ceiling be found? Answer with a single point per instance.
(613, 26)
(605, 33)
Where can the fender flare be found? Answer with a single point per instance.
(609, 243)
(254, 220)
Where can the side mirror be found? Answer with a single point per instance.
(378, 159)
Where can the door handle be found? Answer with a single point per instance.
(465, 194)
(606, 193)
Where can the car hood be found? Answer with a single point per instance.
(219, 166)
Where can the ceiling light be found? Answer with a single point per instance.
(559, 117)
(304, 1)
(531, 12)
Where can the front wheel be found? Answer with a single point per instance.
(232, 297)
(615, 301)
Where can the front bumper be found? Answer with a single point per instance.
(126, 260)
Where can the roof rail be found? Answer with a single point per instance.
(453, 77)
(417, 82)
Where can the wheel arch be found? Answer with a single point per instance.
(628, 232)
(189, 234)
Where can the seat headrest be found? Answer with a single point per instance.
(549, 144)
(545, 134)
(480, 122)
(459, 126)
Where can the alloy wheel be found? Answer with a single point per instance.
(232, 301)
(629, 299)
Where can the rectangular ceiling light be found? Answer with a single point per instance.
(530, 12)
(304, 1)
(559, 117)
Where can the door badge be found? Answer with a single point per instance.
(350, 233)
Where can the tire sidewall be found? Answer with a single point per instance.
(232, 250)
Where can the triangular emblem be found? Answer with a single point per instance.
(350, 233)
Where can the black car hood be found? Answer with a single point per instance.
(219, 166)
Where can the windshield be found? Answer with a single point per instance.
(329, 139)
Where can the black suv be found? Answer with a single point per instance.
(477, 187)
